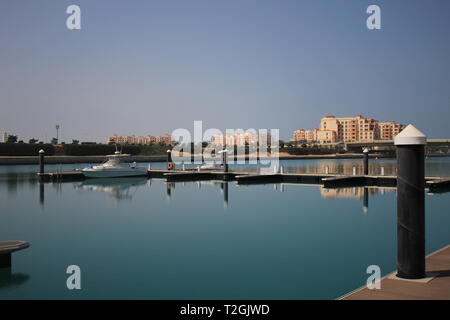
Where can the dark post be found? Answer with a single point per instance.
(169, 160)
(41, 161)
(410, 148)
(366, 161)
(224, 160)
(5, 260)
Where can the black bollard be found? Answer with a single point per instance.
(170, 165)
(410, 148)
(41, 160)
(366, 161)
(5, 260)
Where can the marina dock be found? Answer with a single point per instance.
(435, 184)
(436, 286)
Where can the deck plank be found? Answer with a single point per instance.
(437, 288)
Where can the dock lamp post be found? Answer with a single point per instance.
(57, 132)
(41, 161)
(366, 161)
(410, 148)
(224, 159)
(170, 164)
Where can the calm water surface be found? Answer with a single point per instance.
(147, 239)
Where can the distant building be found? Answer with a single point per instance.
(241, 139)
(116, 139)
(3, 137)
(358, 128)
(388, 130)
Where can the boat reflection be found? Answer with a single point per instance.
(118, 189)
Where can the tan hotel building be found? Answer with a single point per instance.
(359, 128)
(166, 139)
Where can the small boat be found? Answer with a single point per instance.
(211, 166)
(113, 167)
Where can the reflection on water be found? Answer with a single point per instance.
(353, 192)
(9, 279)
(118, 189)
(188, 240)
(123, 189)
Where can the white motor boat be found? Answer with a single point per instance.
(113, 167)
(211, 166)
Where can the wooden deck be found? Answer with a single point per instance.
(7, 248)
(434, 288)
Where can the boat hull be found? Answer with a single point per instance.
(114, 173)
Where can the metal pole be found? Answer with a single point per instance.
(41, 161)
(410, 148)
(366, 161)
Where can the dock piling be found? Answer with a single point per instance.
(410, 148)
(170, 164)
(224, 153)
(366, 161)
(5, 260)
(6, 250)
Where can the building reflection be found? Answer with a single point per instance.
(357, 193)
(353, 192)
(387, 168)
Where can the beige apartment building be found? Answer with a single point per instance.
(240, 139)
(165, 139)
(388, 130)
(358, 128)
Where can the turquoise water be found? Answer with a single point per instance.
(146, 239)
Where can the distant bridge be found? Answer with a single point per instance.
(390, 143)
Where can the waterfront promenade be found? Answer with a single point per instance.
(435, 287)
(27, 160)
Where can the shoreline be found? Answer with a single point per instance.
(34, 160)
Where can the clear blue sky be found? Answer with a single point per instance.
(148, 67)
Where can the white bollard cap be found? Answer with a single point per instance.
(410, 136)
(41, 151)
